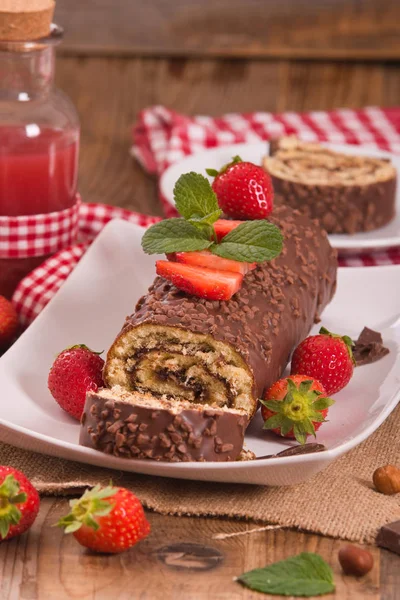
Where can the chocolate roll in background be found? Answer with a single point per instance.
(226, 353)
(347, 193)
(134, 425)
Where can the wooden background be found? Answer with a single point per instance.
(360, 29)
(120, 56)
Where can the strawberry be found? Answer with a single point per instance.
(8, 322)
(327, 357)
(223, 226)
(211, 261)
(244, 190)
(19, 503)
(295, 407)
(109, 519)
(201, 282)
(75, 371)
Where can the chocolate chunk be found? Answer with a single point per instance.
(296, 450)
(369, 347)
(389, 537)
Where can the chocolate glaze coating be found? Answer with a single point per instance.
(269, 315)
(357, 195)
(160, 432)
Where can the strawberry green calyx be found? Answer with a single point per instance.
(298, 411)
(345, 338)
(83, 347)
(214, 173)
(92, 504)
(9, 497)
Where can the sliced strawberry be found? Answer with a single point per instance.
(211, 261)
(201, 282)
(223, 226)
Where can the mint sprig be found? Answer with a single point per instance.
(306, 574)
(195, 200)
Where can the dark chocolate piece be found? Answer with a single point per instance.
(389, 537)
(347, 193)
(296, 450)
(140, 426)
(250, 337)
(369, 347)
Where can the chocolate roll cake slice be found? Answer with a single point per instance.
(347, 193)
(135, 425)
(224, 354)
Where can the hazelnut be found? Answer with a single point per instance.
(355, 561)
(387, 480)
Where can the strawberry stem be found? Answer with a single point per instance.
(345, 338)
(9, 497)
(299, 410)
(83, 347)
(214, 173)
(92, 504)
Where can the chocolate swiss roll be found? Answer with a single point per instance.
(347, 193)
(224, 354)
(135, 425)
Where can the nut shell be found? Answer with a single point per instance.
(355, 561)
(387, 480)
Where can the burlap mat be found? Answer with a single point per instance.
(338, 502)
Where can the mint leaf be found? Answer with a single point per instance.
(174, 235)
(252, 241)
(306, 574)
(207, 219)
(194, 196)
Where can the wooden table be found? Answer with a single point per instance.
(110, 78)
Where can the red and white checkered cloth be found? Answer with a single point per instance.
(38, 288)
(162, 137)
(38, 235)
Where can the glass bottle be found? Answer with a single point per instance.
(39, 142)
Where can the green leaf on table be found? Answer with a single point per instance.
(306, 574)
(174, 235)
(194, 196)
(252, 241)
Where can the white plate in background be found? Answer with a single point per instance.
(91, 307)
(378, 239)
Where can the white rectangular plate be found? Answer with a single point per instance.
(90, 308)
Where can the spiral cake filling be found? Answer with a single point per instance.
(186, 366)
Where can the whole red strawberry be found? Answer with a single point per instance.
(244, 190)
(74, 372)
(109, 519)
(327, 357)
(8, 322)
(19, 503)
(295, 407)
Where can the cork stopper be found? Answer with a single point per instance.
(25, 20)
